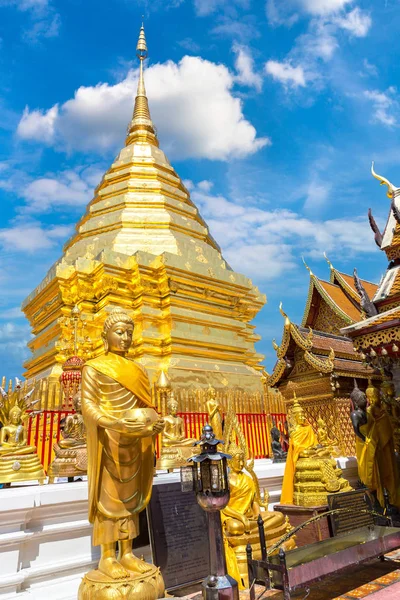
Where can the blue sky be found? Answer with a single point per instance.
(270, 110)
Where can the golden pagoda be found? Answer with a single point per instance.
(142, 245)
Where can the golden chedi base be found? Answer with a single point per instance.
(315, 478)
(97, 586)
(69, 462)
(21, 467)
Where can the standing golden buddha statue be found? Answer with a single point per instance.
(18, 460)
(121, 426)
(214, 413)
(376, 458)
(175, 447)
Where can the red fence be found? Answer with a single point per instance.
(44, 431)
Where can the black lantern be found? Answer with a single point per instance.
(208, 478)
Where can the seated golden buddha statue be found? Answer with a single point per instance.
(18, 460)
(71, 451)
(175, 447)
(311, 473)
(240, 516)
(324, 441)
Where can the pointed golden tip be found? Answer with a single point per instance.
(284, 315)
(383, 181)
(328, 261)
(163, 380)
(141, 48)
(307, 267)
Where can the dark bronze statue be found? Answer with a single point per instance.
(277, 450)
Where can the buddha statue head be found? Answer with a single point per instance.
(172, 404)
(372, 394)
(387, 389)
(15, 415)
(118, 332)
(77, 402)
(237, 461)
(211, 393)
(358, 398)
(297, 413)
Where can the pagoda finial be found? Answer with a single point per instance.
(383, 181)
(141, 127)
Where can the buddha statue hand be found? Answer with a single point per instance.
(132, 427)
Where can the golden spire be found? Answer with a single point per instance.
(141, 127)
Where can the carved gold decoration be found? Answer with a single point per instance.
(96, 586)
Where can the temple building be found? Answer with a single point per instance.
(316, 362)
(142, 245)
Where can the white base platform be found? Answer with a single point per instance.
(45, 537)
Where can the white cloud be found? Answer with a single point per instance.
(286, 73)
(32, 237)
(323, 7)
(44, 20)
(26, 4)
(369, 69)
(191, 103)
(207, 7)
(317, 195)
(244, 65)
(283, 15)
(69, 188)
(38, 125)
(384, 105)
(251, 236)
(357, 22)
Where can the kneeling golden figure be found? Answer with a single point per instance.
(121, 427)
(240, 519)
(175, 447)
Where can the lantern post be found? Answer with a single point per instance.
(207, 476)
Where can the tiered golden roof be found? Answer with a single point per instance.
(143, 245)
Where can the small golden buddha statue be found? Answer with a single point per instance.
(310, 473)
(71, 451)
(214, 413)
(121, 426)
(324, 441)
(18, 460)
(240, 516)
(175, 447)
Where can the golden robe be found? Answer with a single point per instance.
(302, 438)
(376, 460)
(120, 465)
